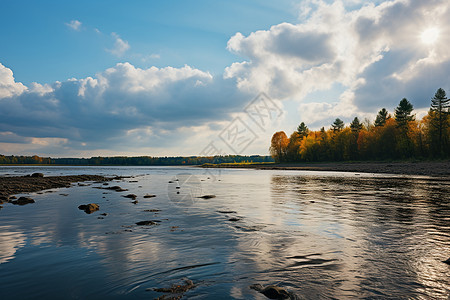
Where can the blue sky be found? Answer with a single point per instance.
(87, 78)
(39, 47)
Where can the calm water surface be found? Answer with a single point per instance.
(321, 235)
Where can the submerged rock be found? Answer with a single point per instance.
(116, 188)
(273, 291)
(23, 201)
(234, 219)
(147, 223)
(177, 291)
(89, 208)
(207, 196)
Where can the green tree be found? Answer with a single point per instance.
(302, 130)
(338, 125)
(403, 113)
(381, 118)
(439, 120)
(355, 125)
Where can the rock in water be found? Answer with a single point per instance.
(272, 291)
(146, 223)
(89, 208)
(207, 196)
(131, 196)
(149, 196)
(37, 175)
(447, 261)
(23, 201)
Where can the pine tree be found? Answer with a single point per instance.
(302, 130)
(439, 111)
(381, 118)
(403, 113)
(338, 125)
(355, 125)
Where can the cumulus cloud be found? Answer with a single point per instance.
(116, 106)
(120, 46)
(8, 86)
(74, 25)
(374, 50)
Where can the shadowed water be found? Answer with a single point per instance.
(321, 235)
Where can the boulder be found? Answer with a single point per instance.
(89, 208)
(37, 175)
(23, 201)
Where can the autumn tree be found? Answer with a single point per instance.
(278, 146)
(381, 118)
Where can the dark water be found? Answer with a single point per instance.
(321, 235)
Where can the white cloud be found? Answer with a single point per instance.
(117, 108)
(8, 86)
(75, 25)
(375, 51)
(120, 45)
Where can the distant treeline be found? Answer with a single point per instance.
(133, 161)
(388, 137)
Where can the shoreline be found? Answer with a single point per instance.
(12, 185)
(423, 168)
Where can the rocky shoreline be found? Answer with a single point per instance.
(425, 168)
(27, 184)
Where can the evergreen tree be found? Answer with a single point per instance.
(302, 130)
(439, 118)
(381, 118)
(338, 125)
(403, 113)
(355, 125)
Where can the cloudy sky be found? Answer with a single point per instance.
(177, 77)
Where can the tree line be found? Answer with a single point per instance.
(133, 161)
(400, 136)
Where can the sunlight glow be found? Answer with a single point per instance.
(430, 35)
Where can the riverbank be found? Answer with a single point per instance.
(27, 184)
(426, 168)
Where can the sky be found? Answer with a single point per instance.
(167, 78)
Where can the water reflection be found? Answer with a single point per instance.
(10, 241)
(322, 235)
(393, 233)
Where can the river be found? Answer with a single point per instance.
(320, 235)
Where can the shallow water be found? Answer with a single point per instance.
(321, 235)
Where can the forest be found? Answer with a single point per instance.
(133, 161)
(388, 137)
